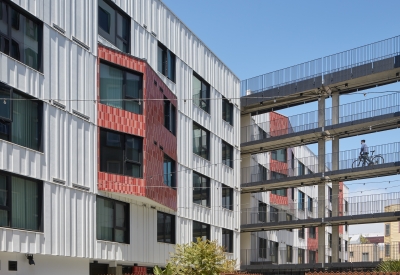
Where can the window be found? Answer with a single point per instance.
(365, 257)
(20, 202)
(201, 141)
(165, 228)
(169, 116)
(310, 204)
(330, 240)
(301, 256)
(346, 227)
(276, 175)
(301, 233)
(262, 211)
(293, 193)
(262, 172)
(351, 253)
(262, 248)
(279, 155)
(261, 133)
(169, 172)
(312, 233)
(329, 213)
(301, 201)
(20, 119)
(273, 251)
(302, 169)
(289, 218)
(330, 193)
(340, 244)
(346, 206)
(289, 253)
(121, 154)
(112, 220)
(345, 246)
(21, 36)
(120, 88)
(201, 190)
(329, 259)
(311, 257)
(387, 250)
(227, 154)
(201, 230)
(280, 192)
(166, 62)
(274, 214)
(201, 93)
(227, 240)
(114, 25)
(387, 229)
(227, 111)
(227, 197)
(292, 161)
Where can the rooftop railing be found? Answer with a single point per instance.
(362, 109)
(293, 167)
(319, 67)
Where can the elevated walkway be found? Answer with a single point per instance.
(346, 72)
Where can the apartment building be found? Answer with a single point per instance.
(119, 138)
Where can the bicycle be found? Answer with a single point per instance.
(368, 161)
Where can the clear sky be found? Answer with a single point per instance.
(254, 37)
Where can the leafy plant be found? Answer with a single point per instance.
(198, 258)
(389, 266)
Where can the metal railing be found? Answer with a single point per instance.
(362, 109)
(367, 252)
(319, 67)
(303, 210)
(294, 167)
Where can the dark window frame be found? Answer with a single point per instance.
(112, 35)
(125, 161)
(11, 9)
(227, 240)
(330, 240)
(262, 211)
(274, 251)
(310, 204)
(173, 228)
(204, 95)
(227, 151)
(262, 247)
(301, 200)
(280, 192)
(169, 180)
(227, 110)
(312, 232)
(274, 214)
(167, 64)
(204, 151)
(330, 193)
(169, 116)
(312, 257)
(289, 253)
(203, 192)
(205, 230)
(8, 207)
(227, 197)
(301, 255)
(301, 233)
(115, 227)
(277, 155)
(6, 124)
(125, 97)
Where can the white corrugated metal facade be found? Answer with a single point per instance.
(70, 144)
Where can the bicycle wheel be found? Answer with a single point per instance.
(355, 164)
(378, 160)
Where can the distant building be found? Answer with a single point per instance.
(392, 236)
(366, 247)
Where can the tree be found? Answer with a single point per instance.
(389, 266)
(198, 258)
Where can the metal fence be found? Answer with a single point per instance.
(368, 108)
(319, 67)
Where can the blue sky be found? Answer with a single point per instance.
(254, 37)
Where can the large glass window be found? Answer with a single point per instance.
(166, 62)
(20, 119)
(274, 215)
(120, 88)
(312, 233)
(289, 253)
(276, 175)
(301, 201)
(301, 257)
(201, 190)
(20, 202)
(169, 172)
(121, 153)
(330, 193)
(330, 240)
(227, 197)
(201, 93)
(311, 257)
(262, 248)
(301, 169)
(310, 204)
(114, 25)
(227, 240)
(169, 116)
(112, 220)
(301, 233)
(273, 251)
(227, 154)
(165, 228)
(21, 36)
(280, 192)
(201, 141)
(279, 155)
(262, 211)
(227, 111)
(201, 230)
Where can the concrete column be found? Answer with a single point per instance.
(335, 141)
(321, 186)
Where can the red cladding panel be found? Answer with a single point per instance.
(276, 199)
(279, 124)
